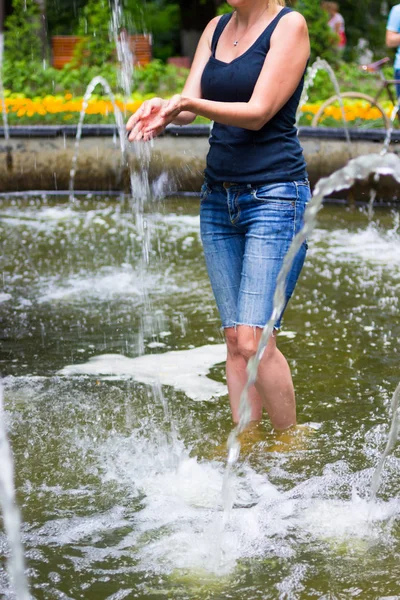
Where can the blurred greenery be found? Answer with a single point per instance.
(322, 39)
(161, 18)
(63, 16)
(25, 72)
(22, 41)
(155, 78)
(164, 19)
(350, 78)
(366, 19)
(97, 47)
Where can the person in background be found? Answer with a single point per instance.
(393, 40)
(336, 23)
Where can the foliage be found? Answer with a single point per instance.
(63, 16)
(161, 18)
(31, 79)
(158, 78)
(155, 78)
(225, 8)
(366, 19)
(350, 78)
(94, 26)
(322, 39)
(22, 39)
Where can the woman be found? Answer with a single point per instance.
(336, 23)
(247, 77)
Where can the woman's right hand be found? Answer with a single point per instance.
(145, 118)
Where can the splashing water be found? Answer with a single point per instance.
(118, 118)
(389, 133)
(11, 516)
(139, 178)
(391, 442)
(124, 54)
(312, 71)
(358, 168)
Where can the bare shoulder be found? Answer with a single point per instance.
(293, 22)
(291, 26)
(210, 29)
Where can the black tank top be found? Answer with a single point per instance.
(272, 154)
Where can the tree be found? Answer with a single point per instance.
(322, 38)
(366, 19)
(94, 27)
(161, 18)
(43, 26)
(22, 39)
(63, 15)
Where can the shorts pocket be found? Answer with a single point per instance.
(280, 194)
(204, 191)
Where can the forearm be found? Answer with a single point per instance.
(247, 115)
(184, 118)
(392, 39)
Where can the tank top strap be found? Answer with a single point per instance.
(272, 26)
(222, 23)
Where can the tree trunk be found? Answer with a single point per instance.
(194, 17)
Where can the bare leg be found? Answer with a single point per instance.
(274, 381)
(236, 378)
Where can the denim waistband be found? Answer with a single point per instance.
(224, 185)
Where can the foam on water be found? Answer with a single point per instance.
(152, 506)
(370, 245)
(41, 218)
(185, 370)
(109, 282)
(181, 518)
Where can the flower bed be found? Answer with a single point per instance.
(61, 108)
(357, 113)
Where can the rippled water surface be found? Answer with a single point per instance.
(120, 458)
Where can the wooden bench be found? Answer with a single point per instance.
(63, 47)
(141, 46)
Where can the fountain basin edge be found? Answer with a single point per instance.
(40, 158)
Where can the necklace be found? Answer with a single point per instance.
(235, 43)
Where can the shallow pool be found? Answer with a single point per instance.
(120, 460)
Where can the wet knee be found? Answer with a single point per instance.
(247, 347)
(231, 339)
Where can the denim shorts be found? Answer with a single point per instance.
(246, 232)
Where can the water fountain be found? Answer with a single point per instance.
(390, 445)
(132, 508)
(11, 515)
(389, 133)
(356, 169)
(318, 65)
(123, 491)
(118, 118)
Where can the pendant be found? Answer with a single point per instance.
(235, 43)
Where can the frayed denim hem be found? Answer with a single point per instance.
(277, 328)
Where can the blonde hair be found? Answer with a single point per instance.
(278, 2)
